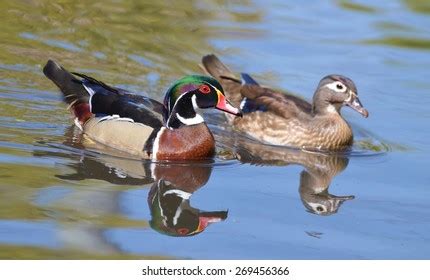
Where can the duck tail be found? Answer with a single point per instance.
(231, 84)
(214, 67)
(74, 93)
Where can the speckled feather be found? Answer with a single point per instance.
(288, 120)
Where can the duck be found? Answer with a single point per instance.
(279, 118)
(141, 126)
(171, 184)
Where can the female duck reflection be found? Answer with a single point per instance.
(315, 179)
(169, 197)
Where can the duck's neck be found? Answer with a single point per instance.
(184, 113)
(321, 107)
(333, 130)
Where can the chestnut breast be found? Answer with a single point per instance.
(188, 142)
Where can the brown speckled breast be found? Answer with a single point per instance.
(185, 143)
(329, 132)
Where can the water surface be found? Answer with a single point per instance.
(62, 197)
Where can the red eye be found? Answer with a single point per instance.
(205, 89)
(182, 231)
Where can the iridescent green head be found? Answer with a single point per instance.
(190, 93)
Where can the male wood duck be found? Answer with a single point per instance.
(284, 119)
(172, 184)
(139, 125)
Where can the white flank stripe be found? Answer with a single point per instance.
(115, 118)
(155, 145)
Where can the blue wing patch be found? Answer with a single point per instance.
(248, 105)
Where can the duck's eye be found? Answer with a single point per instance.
(339, 86)
(182, 231)
(205, 89)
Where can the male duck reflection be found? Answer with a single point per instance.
(172, 187)
(315, 179)
(283, 119)
(134, 124)
(169, 201)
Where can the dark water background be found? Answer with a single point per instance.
(63, 198)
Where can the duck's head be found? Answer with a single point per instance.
(335, 91)
(191, 93)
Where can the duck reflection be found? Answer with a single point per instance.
(171, 184)
(315, 179)
(169, 201)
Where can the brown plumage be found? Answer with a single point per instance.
(284, 119)
(194, 142)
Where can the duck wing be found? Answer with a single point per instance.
(107, 100)
(258, 98)
(86, 96)
(250, 96)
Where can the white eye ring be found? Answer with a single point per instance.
(337, 86)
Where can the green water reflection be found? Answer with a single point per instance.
(144, 46)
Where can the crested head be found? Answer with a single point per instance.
(335, 91)
(187, 84)
(190, 93)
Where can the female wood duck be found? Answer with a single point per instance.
(139, 125)
(283, 119)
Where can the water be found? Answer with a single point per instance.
(62, 197)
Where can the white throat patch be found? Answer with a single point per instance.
(191, 121)
(331, 109)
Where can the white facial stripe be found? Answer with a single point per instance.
(174, 105)
(334, 86)
(194, 102)
(176, 217)
(212, 86)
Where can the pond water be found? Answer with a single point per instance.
(61, 197)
